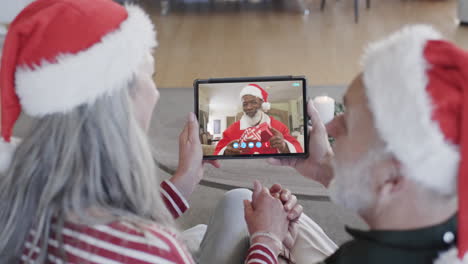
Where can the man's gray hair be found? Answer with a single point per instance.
(95, 158)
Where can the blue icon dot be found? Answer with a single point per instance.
(251, 144)
(235, 145)
(259, 144)
(243, 145)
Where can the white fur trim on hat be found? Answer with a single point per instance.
(7, 150)
(395, 80)
(104, 67)
(266, 106)
(251, 90)
(451, 257)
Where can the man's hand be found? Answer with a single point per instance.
(190, 170)
(266, 214)
(277, 141)
(230, 150)
(293, 209)
(317, 166)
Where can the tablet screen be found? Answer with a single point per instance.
(262, 118)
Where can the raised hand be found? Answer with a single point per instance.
(317, 166)
(190, 169)
(277, 141)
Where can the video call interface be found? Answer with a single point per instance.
(251, 118)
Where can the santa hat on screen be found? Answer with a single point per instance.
(256, 90)
(417, 87)
(60, 54)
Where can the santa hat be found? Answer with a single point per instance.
(60, 54)
(417, 87)
(257, 91)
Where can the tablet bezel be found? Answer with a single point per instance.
(197, 82)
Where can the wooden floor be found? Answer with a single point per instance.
(324, 46)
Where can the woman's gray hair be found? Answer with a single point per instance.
(93, 159)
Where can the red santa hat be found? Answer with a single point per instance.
(417, 87)
(60, 54)
(257, 91)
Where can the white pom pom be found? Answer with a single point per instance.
(7, 150)
(266, 106)
(451, 257)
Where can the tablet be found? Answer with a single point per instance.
(255, 117)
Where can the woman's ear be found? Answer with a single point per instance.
(145, 93)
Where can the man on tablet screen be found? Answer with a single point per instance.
(256, 132)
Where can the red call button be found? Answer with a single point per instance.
(267, 144)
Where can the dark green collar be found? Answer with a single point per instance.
(437, 237)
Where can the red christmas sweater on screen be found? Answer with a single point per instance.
(235, 131)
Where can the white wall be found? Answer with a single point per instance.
(463, 10)
(3, 31)
(204, 103)
(219, 115)
(293, 113)
(281, 106)
(10, 8)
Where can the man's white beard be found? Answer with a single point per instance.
(352, 183)
(252, 121)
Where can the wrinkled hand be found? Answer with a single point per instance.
(277, 141)
(190, 169)
(293, 209)
(266, 214)
(230, 150)
(317, 165)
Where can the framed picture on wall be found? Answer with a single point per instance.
(217, 126)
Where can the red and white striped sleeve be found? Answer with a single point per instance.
(173, 199)
(260, 254)
(117, 242)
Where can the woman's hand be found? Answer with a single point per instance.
(317, 166)
(266, 214)
(293, 209)
(190, 170)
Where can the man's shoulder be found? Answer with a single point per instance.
(234, 126)
(367, 252)
(346, 253)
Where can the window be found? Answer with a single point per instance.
(217, 126)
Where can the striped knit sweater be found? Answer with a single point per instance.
(123, 242)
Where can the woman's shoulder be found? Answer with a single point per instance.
(147, 242)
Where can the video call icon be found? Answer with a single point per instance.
(243, 145)
(235, 145)
(251, 144)
(259, 144)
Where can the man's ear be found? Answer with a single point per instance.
(389, 181)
